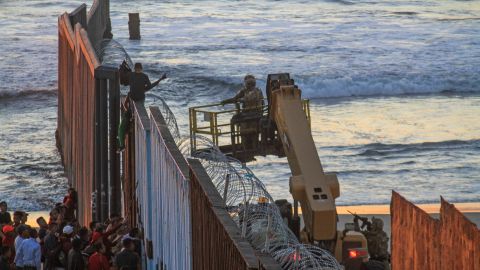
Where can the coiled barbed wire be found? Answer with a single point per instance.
(254, 210)
(169, 117)
(110, 52)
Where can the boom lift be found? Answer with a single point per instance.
(283, 129)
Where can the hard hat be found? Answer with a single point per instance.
(377, 223)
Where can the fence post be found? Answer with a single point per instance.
(79, 15)
(96, 188)
(108, 172)
(114, 114)
(134, 25)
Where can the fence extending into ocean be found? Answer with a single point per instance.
(422, 242)
(88, 115)
(184, 220)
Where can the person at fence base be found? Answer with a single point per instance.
(9, 241)
(98, 261)
(19, 218)
(6, 253)
(252, 104)
(127, 259)
(140, 83)
(29, 255)
(70, 203)
(75, 257)
(22, 234)
(5, 217)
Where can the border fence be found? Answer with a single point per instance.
(184, 219)
(88, 114)
(422, 242)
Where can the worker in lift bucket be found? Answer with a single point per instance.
(251, 99)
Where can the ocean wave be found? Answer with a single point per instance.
(7, 94)
(406, 13)
(380, 149)
(459, 19)
(318, 87)
(343, 2)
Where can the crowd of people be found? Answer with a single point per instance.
(62, 243)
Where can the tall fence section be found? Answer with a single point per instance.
(88, 115)
(422, 242)
(184, 219)
(155, 178)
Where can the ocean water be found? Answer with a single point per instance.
(394, 86)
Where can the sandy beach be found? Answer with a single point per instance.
(471, 211)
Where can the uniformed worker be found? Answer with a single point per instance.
(377, 240)
(250, 96)
(251, 99)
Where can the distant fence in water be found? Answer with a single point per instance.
(422, 242)
(88, 114)
(184, 219)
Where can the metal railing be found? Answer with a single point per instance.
(217, 119)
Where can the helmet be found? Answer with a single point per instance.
(377, 223)
(249, 81)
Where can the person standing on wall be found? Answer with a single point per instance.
(140, 83)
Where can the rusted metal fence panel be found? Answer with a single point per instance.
(414, 236)
(216, 240)
(98, 21)
(66, 60)
(76, 88)
(460, 240)
(422, 242)
(88, 110)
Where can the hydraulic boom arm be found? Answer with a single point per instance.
(315, 190)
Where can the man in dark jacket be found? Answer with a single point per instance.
(6, 252)
(127, 259)
(5, 217)
(75, 257)
(52, 248)
(140, 83)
